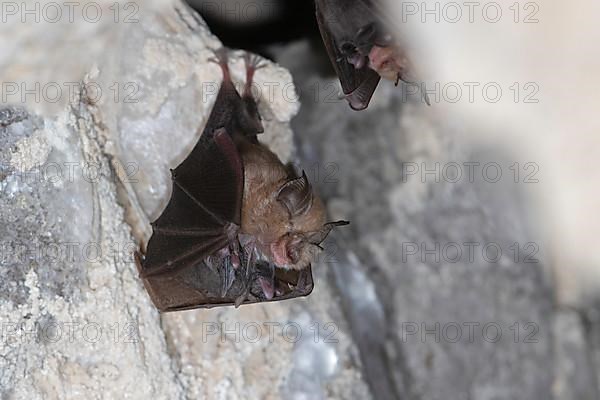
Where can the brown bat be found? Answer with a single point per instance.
(360, 48)
(239, 227)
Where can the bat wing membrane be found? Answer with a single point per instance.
(205, 206)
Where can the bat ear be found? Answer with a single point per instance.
(296, 195)
(319, 236)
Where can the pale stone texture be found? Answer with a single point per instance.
(89, 180)
(75, 320)
(112, 157)
(403, 305)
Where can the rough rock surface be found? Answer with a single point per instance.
(433, 319)
(575, 350)
(37, 39)
(78, 191)
(74, 316)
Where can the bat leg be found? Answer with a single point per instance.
(253, 63)
(221, 58)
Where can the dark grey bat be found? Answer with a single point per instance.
(361, 48)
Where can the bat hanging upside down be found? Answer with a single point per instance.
(236, 213)
(361, 48)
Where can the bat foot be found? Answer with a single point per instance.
(253, 63)
(221, 57)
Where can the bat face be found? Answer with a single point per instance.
(389, 62)
(360, 48)
(238, 228)
(281, 212)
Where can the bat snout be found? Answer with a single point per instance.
(279, 253)
(386, 62)
(291, 251)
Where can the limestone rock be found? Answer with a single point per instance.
(79, 188)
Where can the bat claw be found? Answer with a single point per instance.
(254, 61)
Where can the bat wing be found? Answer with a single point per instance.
(358, 84)
(193, 288)
(203, 213)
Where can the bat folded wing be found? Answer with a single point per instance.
(358, 84)
(365, 83)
